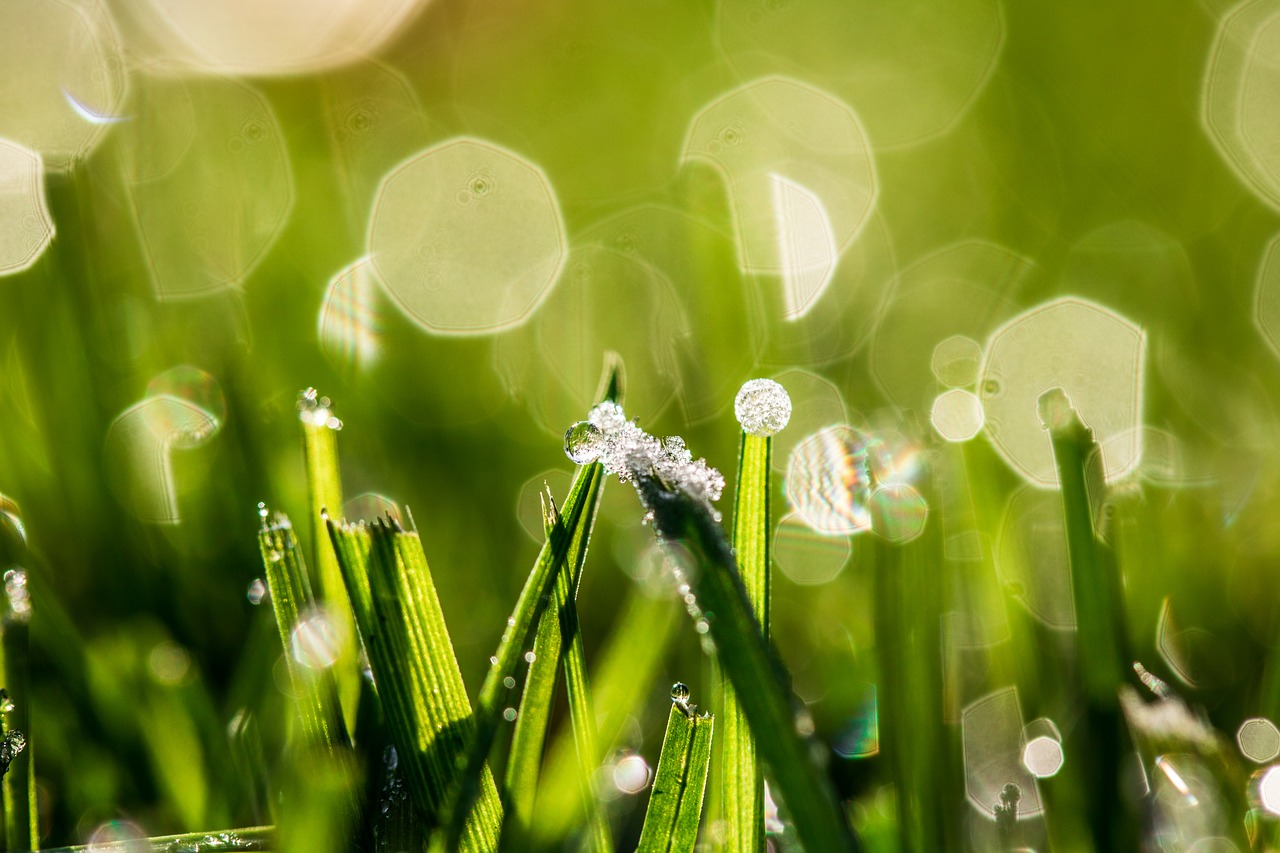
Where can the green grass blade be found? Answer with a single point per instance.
(581, 716)
(675, 803)
(417, 675)
(562, 534)
(247, 840)
(627, 666)
(1101, 739)
(21, 818)
(529, 738)
(742, 786)
(750, 665)
(291, 597)
(324, 494)
(1095, 579)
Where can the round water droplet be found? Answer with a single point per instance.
(257, 591)
(763, 407)
(680, 693)
(530, 657)
(508, 682)
(583, 442)
(509, 715)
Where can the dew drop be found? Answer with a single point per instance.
(509, 715)
(763, 407)
(583, 442)
(530, 657)
(257, 591)
(508, 682)
(680, 693)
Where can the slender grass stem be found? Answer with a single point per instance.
(314, 686)
(742, 785)
(21, 818)
(324, 495)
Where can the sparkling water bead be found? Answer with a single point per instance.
(680, 693)
(763, 407)
(583, 442)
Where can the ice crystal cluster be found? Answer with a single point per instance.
(638, 457)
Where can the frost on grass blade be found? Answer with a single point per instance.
(635, 456)
(678, 495)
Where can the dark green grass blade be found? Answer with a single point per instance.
(627, 667)
(752, 667)
(418, 680)
(579, 515)
(1095, 579)
(675, 803)
(324, 494)
(247, 840)
(316, 690)
(21, 818)
(1101, 740)
(742, 785)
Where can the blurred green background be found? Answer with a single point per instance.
(211, 173)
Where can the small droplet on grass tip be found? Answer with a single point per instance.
(763, 407)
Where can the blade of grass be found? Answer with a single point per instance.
(675, 803)
(582, 501)
(21, 818)
(750, 664)
(315, 690)
(742, 786)
(627, 666)
(247, 840)
(558, 621)
(1101, 742)
(324, 493)
(413, 663)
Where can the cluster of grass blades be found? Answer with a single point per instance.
(386, 750)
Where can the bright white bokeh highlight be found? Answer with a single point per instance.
(828, 481)
(263, 37)
(1269, 790)
(1094, 355)
(1259, 740)
(26, 227)
(467, 238)
(956, 415)
(800, 176)
(61, 76)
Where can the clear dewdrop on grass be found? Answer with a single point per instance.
(638, 457)
(763, 407)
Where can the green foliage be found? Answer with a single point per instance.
(675, 803)
(742, 790)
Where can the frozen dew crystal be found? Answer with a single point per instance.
(763, 407)
(638, 457)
